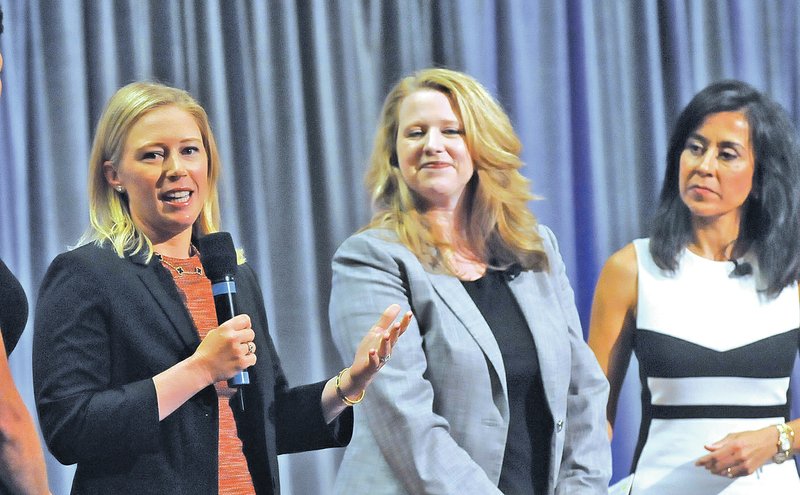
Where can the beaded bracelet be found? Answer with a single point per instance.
(347, 401)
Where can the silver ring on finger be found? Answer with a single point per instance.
(730, 474)
(250, 348)
(385, 358)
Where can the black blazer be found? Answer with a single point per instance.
(104, 327)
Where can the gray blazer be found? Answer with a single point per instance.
(435, 419)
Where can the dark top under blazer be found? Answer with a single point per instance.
(13, 308)
(104, 327)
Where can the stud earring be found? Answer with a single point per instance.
(119, 189)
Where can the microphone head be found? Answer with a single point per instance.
(13, 310)
(741, 269)
(218, 255)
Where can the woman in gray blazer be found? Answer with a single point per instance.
(493, 389)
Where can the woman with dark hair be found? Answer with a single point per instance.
(709, 303)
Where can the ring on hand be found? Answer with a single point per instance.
(385, 358)
(730, 474)
(250, 348)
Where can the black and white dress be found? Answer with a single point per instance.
(715, 358)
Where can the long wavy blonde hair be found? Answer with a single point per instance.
(500, 228)
(109, 213)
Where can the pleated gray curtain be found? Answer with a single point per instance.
(293, 90)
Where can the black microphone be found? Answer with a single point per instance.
(741, 269)
(512, 272)
(14, 310)
(218, 257)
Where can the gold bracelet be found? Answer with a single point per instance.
(347, 401)
(785, 443)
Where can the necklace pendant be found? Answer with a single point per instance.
(178, 269)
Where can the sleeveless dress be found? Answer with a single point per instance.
(715, 358)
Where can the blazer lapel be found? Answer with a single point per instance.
(543, 314)
(457, 299)
(161, 286)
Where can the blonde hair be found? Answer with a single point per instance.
(109, 214)
(501, 230)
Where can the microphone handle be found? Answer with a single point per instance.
(225, 305)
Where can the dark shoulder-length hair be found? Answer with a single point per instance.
(770, 221)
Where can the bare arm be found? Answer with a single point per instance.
(22, 468)
(379, 341)
(613, 320)
(742, 453)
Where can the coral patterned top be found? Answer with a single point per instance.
(195, 289)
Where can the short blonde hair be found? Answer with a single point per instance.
(500, 228)
(109, 214)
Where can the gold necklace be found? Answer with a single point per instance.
(179, 269)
